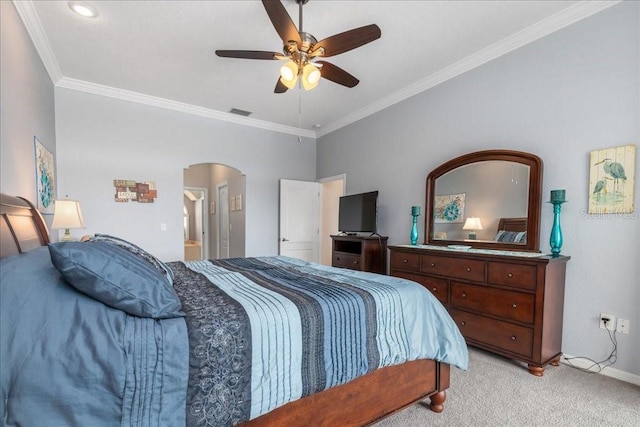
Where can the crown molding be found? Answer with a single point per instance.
(29, 16)
(528, 35)
(154, 101)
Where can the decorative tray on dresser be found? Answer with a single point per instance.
(509, 303)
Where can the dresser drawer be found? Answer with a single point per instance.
(519, 276)
(509, 305)
(503, 335)
(405, 261)
(467, 269)
(345, 260)
(438, 287)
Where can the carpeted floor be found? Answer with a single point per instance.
(499, 392)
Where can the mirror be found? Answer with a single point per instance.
(487, 199)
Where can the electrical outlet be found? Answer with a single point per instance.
(623, 326)
(610, 323)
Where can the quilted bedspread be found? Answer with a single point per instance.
(267, 331)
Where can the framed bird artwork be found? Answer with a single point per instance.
(611, 180)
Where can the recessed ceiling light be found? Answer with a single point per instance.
(83, 9)
(317, 126)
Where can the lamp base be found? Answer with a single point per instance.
(473, 236)
(67, 236)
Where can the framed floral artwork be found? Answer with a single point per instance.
(449, 208)
(611, 180)
(45, 178)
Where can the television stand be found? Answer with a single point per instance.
(360, 253)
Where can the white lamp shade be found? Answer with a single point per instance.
(310, 76)
(472, 223)
(289, 74)
(67, 214)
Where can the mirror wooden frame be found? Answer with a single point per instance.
(534, 199)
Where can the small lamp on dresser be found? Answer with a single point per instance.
(473, 224)
(67, 215)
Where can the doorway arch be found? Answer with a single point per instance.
(208, 176)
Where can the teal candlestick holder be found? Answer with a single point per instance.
(415, 213)
(555, 240)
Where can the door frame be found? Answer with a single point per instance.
(219, 218)
(325, 210)
(204, 247)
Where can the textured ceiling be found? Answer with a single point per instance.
(162, 52)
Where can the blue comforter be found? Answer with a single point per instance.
(276, 329)
(259, 332)
(68, 360)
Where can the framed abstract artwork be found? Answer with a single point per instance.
(449, 208)
(611, 180)
(45, 178)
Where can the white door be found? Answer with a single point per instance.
(300, 219)
(223, 220)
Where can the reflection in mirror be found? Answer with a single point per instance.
(488, 190)
(487, 199)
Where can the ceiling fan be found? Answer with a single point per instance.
(301, 50)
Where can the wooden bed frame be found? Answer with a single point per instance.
(513, 224)
(360, 402)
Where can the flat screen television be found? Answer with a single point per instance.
(357, 213)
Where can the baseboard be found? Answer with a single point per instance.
(608, 371)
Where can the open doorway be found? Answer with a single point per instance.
(223, 218)
(196, 226)
(332, 189)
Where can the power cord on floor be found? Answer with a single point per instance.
(599, 366)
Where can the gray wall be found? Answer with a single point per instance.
(101, 139)
(561, 97)
(26, 96)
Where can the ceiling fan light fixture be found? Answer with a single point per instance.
(289, 74)
(310, 76)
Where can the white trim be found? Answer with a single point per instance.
(154, 101)
(608, 371)
(528, 35)
(32, 23)
(532, 33)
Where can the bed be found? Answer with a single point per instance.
(79, 356)
(512, 230)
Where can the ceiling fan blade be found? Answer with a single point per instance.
(282, 22)
(337, 74)
(348, 40)
(280, 87)
(248, 54)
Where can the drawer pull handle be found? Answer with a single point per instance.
(433, 264)
(509, 274)
(405, 261)
(463, 323)
(434, 289)
(464, 295)
(337, 258)
(468, 269)
(515, 306)
(355, 262)
(513, 337)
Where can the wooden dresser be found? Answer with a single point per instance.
(360, 253)
(509, 305)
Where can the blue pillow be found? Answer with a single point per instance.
(116, 277)
(511, 236)
(159, 265)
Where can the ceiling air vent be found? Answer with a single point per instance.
(240, 112)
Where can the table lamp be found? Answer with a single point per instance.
(67, 215)
(473, 224)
